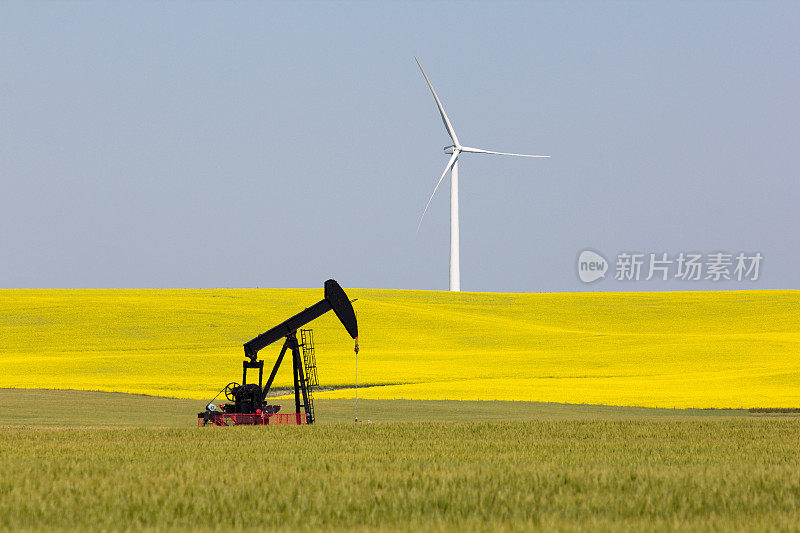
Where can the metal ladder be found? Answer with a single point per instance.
(310, 369)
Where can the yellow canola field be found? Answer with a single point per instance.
(671, 349)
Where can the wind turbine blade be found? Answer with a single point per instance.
(446, 121)
(479, 151)
(449, 164)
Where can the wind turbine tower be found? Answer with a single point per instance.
(454, 150)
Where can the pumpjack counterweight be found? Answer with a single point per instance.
(249, 400)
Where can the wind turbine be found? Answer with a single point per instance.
(452, 165)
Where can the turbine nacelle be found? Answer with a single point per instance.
(450, 149)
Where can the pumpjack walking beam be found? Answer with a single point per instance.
(336, 300)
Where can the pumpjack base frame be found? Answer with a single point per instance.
(250, 419)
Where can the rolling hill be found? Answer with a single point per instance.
(673, 349)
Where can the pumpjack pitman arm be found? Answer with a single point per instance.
(335, 299)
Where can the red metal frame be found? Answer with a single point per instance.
(243, 419)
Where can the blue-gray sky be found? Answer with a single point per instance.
(277, 144)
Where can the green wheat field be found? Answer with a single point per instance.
(77, 460)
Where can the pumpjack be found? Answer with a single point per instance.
(249, 405)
